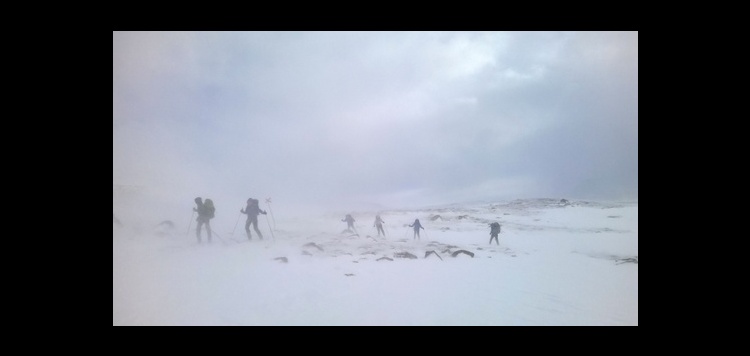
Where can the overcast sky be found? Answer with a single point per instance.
(390, 118)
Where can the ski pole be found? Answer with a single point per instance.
(219, 236)
(269, 227)
(238, 221)
(268, 201)
(190, 224)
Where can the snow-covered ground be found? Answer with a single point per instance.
(556, 264)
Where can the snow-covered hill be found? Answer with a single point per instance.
(557, 263)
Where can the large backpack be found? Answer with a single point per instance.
(495, 228)
(210, 209)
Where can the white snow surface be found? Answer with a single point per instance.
(556, 264)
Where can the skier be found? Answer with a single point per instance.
(379, 224)
(349, 223)
(494, 231)
(205, 214)
(416, 225)
(252, 210)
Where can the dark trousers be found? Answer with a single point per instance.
(208, 229)
(254, 222)
(494, 236)
(380, 228)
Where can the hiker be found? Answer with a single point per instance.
(206, 212)
(252, 210)
(379, 224)
(349, 222)
(416, 225)
(494, 230)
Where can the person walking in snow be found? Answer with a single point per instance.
(379, 224)
(349, 223)
(416, 225)
(494, 231)
(252, 210)
(205, 212)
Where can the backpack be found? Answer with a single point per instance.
(495, 227)
(210, 210)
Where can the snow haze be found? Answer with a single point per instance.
(475, 127)
(378, 119)
(555, 264)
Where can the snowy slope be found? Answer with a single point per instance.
(556, 264)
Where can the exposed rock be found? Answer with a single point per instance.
(627, 260)
(435, 217)
(348, 274)
(167, 224)
(282, 259)
(464, 252)
(312, 244)
(384, 258)
(404, 255)
(306, 253)
(432, 252)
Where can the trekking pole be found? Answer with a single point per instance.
(238, 221)
(268, 201)
(190, 224)
(219, 236)
(269, 227)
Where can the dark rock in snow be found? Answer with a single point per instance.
(627, 260)
(464, 252)
(282, 259)
(167, 223)
(384, 258)
(312, 244)
(431, 252)
(404, 255)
